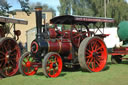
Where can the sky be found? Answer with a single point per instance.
(51, 3)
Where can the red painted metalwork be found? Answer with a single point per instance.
(119, 51)
(28, 65)
(10, 54)
(53, 65)
(60, 46)
(78, 35)
(52, 33)
(36, 47)
(96, 55)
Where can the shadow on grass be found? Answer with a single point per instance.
(123, 62)
(41, 74)
(109, 63)
(106, 68)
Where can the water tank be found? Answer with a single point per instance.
(123, 31)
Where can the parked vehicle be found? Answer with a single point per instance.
(54, 49)
(9, 49)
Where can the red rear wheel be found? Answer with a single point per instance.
(9, 57)
(92, 54)
(27, 65)
(52, 65)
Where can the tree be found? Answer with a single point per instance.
(65, 7)
(117, 9)
(75, 7)
(5, 7)
(44, 6)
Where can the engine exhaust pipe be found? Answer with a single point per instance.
(38, 13)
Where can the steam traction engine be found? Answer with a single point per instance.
(53, 48)
(9, 49)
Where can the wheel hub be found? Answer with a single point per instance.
(28, 64)
(94, 54)
(54, 65)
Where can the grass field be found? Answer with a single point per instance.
(113, 75)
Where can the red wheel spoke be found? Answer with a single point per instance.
(88, 51)
(90, 61)
(100, 48)
(87, 60)
(93, 64)
(13, 54)
(1, 59)
(14, 49)
(23, 65)
(2, 53)
(29, 70)
(24, 61)
(13, 64)
(5, 48)
(6, 71)
(88, 54)
(55, 60)
(97, 63)
(53, 71)
(12, 58)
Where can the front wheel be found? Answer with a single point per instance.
(27, 64)
(52, 65)
(92, 54)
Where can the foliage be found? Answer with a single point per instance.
(25, 6)
(44, 6)
(5, 7)
(75, 7)
(117, 9)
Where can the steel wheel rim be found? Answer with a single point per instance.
(95, 55)
(10, 53)
(54, 65)
(28, 65)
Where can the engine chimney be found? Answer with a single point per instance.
(38, 11)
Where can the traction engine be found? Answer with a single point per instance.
(54, 49)
(9, 49)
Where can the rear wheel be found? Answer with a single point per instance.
(27, 65)
(52, 65)
(92, 54)
(116, 59)
(9, 57)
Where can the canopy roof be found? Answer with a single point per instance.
(12, 20)
(72, 19)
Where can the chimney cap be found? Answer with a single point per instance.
(38, 8)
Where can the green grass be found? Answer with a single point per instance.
(113, 75)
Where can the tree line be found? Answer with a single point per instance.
(117, 9)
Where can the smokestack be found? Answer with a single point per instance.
(38, 11)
